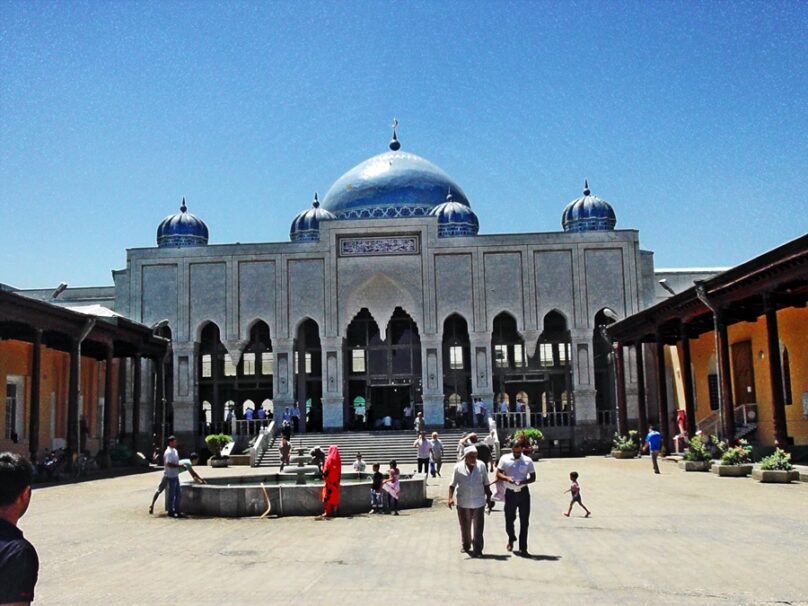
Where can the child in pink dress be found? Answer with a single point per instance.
(575, 491)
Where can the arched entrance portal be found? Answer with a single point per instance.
(384, 375)
(215, 370)
(553, 356)
(309, 376)
(254, 378)
(602, 361)
(456, 368)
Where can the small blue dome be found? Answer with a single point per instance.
(390, 185)
(588, 213)
(455, 219)
(181, 230)
(306, 225)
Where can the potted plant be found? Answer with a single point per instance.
(625, 447)
(776, 468)
(698, 456)
(215, 443)
(533, 437)
(736, 461)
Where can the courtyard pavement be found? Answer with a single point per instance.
(675, 538)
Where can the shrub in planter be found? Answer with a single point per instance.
(625, 447)
(779, 460)
(698, 456)
(699, 449)
(216, 442)
(736, 461)
(737, 455)
(532, 436)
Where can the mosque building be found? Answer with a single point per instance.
(388, 298)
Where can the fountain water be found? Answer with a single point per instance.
(302, 470)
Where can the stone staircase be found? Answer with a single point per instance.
(375, 446)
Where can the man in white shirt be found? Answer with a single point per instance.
(517, 471)
(407, 416)
(436, 452)
(470, 481)
(424, 446)
(171, 472)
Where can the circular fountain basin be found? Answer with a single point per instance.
(242, 496)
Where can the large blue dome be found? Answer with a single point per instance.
(390, 185)
(455, 219)
(588, 213)
(182, 229)
(306, 225)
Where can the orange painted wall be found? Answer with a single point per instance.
(15, 359)
(793, 329)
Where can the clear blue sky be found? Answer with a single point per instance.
(691, 118)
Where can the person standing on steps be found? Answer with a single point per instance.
(517, 471)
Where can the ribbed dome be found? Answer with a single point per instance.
(181, 230)
(588, 213)
(455, 219)
(306, 225)
(390, 185)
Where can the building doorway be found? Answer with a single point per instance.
(389, 401)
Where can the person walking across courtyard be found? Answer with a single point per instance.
(653, 442)
(19, 563)
(436, 454)
(575, 492)
(470, 483)
(517, 471)
(423, 445)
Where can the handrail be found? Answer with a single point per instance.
(258, 449)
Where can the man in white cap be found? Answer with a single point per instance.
(470, 481)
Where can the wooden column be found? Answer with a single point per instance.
(775, 373)
(135, 402)
(690, 405)
(662, 393)
(642, 406)
(727, 404)
(33, 420)
(108, 420)
(620, 378)
(73, 398)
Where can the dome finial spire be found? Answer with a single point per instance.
(586, 187)
(183, 206)
(394, 144)
(316, 203)
(449, 196)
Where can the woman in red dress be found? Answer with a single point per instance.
(332, 471)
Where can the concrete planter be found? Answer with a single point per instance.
(695, 465)
(242, 459)
(775, 476)
(624, 454)
(223, 462)
(732, 471)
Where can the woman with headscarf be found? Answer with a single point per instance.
(332, 471)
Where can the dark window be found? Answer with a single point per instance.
(712, 381)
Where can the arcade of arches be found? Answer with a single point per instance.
(383, 376)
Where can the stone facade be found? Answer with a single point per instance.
(380, 265)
